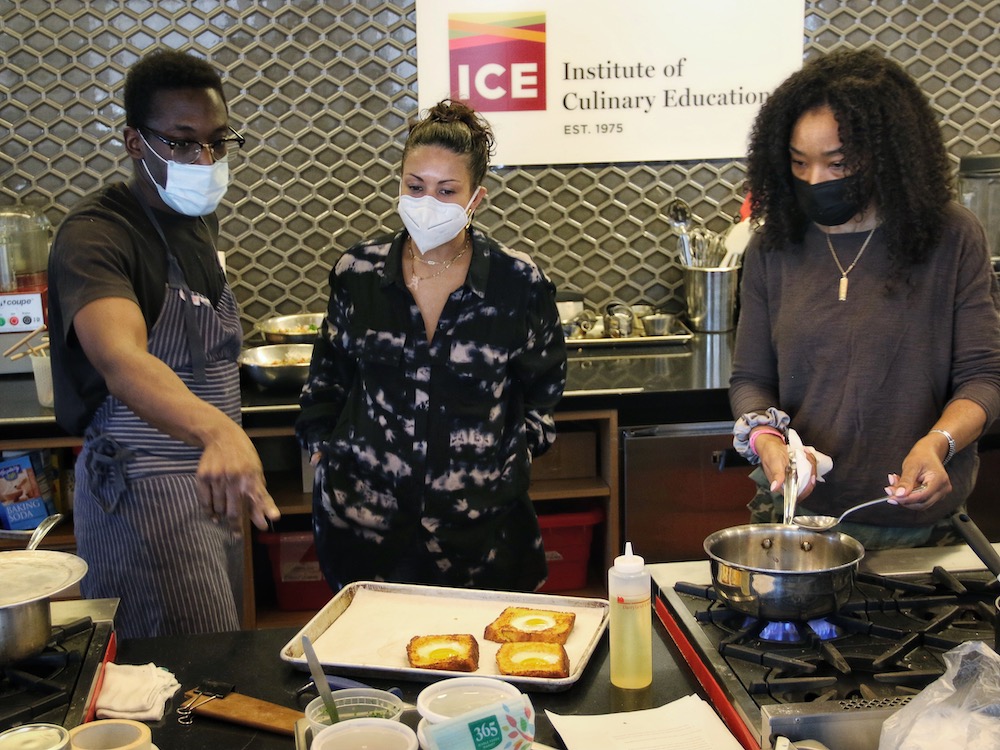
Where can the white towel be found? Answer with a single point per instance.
(135, 691)
(823, 462)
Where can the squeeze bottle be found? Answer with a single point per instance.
(631, 625)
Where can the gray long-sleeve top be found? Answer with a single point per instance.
(863, 379)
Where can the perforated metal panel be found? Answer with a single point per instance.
(323, 92)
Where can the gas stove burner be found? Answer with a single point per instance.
(781, 631)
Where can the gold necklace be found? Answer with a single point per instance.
(415, 280)
(842, 292)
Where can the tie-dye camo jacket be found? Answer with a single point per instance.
(427, 446)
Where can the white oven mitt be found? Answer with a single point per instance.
(135, 691)
(823, 462)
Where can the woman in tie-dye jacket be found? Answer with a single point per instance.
(433, 384)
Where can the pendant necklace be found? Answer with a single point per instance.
(842, 292)
(415, 280)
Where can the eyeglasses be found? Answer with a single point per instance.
(187, 152)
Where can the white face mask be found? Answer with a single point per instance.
(192, 189)
(431, 222)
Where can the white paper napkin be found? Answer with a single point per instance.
(135, 691)
(688, 723)
(823, 462)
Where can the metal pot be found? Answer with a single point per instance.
(30, 578)
(24, 630)
(781, 572)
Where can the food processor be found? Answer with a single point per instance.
(24, 285)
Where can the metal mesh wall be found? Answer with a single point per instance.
(323, 92)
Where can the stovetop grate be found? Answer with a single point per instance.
(54, 685)
(872, 656)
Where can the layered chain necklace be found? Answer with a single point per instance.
(842, 292)
(415, 280)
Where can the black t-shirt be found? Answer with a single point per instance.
(107, 247)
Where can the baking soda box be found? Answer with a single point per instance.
(21, 503)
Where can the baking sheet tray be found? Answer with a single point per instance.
(364, 629)
(680, 334)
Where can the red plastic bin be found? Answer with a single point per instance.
(298, 581)
(567, 538)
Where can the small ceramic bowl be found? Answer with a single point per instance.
(452, 697)
(366, 734)
(353, 704)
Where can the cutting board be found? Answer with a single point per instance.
(252, 712)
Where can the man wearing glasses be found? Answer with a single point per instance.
(145, 336)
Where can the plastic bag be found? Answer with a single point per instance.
(961, 709)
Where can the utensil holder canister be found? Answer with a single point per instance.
(710, 295)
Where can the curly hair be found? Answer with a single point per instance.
(164, 70)
(458, 128)
(890, 137)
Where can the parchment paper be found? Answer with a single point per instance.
(371, 634)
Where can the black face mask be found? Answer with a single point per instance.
(826, 203)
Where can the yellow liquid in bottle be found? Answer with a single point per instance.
(630, 629)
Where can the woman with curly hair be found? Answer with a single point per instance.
(868, 318)
(433, 384)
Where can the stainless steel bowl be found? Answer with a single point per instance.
(277, 365)
(658, 324)
(291, 329)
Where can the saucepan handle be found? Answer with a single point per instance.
(977, 541)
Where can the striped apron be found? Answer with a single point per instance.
(138, 522)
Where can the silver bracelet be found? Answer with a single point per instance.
(951, 445)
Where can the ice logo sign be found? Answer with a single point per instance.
(497, 60)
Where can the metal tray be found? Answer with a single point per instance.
(364, 629)
(680, 334)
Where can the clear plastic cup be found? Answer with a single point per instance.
(355, 703)
(42, 368)
(366, 734)
(446, 699)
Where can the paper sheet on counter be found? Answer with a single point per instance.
(688, 723)
(375, 628)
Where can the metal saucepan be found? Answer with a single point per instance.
(30, 577)
(781, 572)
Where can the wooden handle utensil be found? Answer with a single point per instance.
(24, 340)
(252, 712)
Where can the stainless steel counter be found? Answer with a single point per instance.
(645, 384)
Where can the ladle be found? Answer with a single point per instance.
(825, 523)
(679, 214)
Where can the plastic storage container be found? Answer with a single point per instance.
(298, 581)
(567, 538)
(630, 625)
